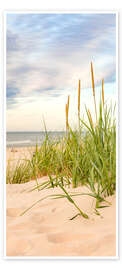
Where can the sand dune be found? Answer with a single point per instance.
(46, 229)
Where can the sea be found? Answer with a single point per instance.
(24, 138)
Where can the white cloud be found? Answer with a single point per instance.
(44, 66)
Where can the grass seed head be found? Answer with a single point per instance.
(68, 104)
(79, 99)
(102, 92)
(66, 110)
(92, 75)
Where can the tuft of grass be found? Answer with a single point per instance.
(86, 156)
(20, 173)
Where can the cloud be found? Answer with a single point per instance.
(12, 42)
(48, 53)
(11, 91)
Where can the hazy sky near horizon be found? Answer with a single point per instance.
(46, 56)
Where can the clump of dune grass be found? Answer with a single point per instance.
(19, 173)
(86, 156)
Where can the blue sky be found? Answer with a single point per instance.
(46, 56)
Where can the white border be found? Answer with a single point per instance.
(117, 138)
(4, 127)
(90, 258)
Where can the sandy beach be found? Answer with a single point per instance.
(19, 153)
(46, 229)
(61, 133)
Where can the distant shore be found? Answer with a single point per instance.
(29, 139)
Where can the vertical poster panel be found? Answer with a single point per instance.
(61, 114)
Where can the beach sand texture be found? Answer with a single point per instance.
(16, 153)
(46, 229)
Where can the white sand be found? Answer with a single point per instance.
(46, 229)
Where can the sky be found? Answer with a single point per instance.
(46, 55)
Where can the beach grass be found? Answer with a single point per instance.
(86, 156)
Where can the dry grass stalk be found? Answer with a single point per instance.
(102, 92)
(67, 113)
(92, 75)
(68, 104)
(93, 87)
(79, 100)
(66, 110)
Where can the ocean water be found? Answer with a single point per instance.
(21, 139)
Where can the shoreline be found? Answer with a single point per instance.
(19, 147)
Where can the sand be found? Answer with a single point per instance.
(46, 229)
(13, 154)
